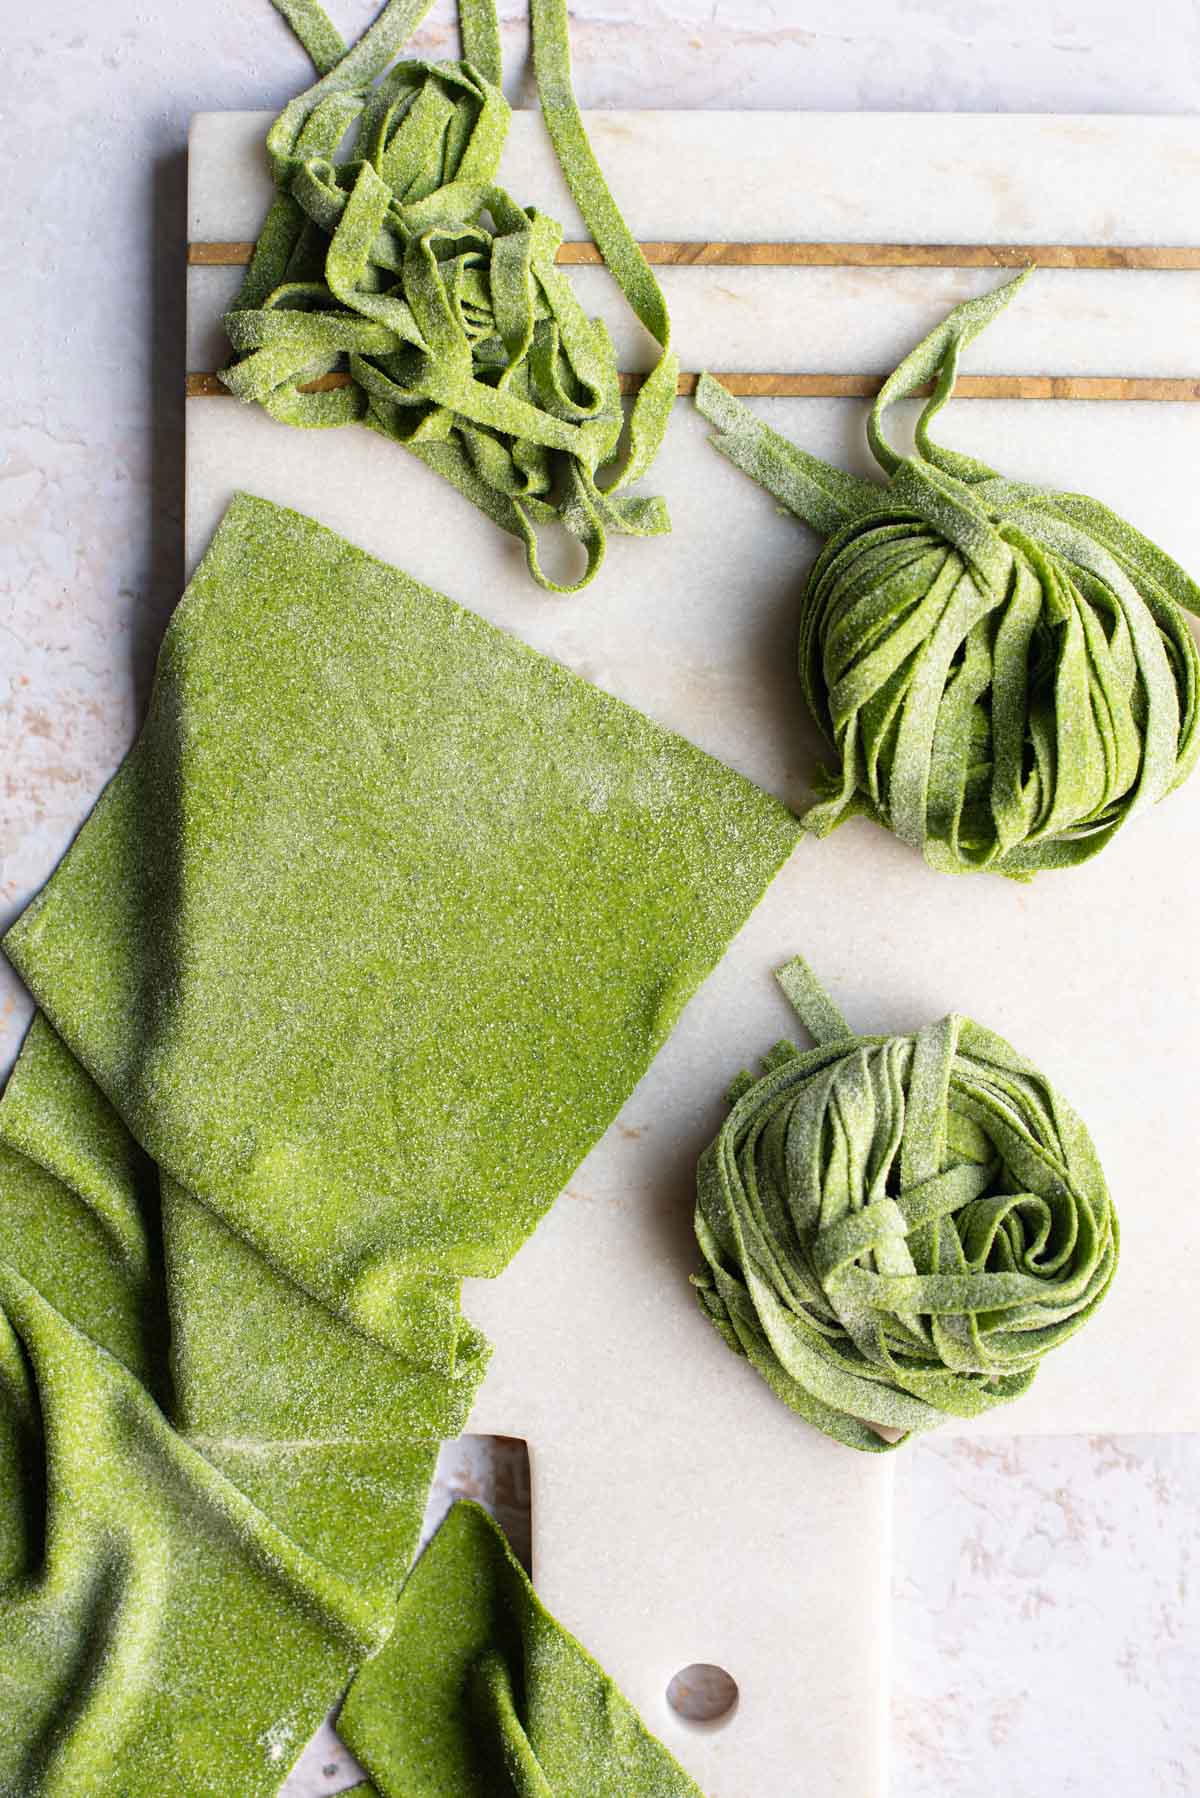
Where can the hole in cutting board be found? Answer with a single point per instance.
(704, 1694)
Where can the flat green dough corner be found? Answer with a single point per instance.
(479, 1693)
(360, 952)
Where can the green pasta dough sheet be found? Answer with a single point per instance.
(382, 920)
(190, 1570)
(481, 1694)
(359, 953)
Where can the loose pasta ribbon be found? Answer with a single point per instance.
(405, 266)
(899, 1228)
(1007, 674)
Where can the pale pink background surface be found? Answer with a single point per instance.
(1047, 1611)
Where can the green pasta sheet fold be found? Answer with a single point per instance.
(479, 1693)
(1007, 674)
(400, 266)
(360, 951)
(897, 1230)
(175, 1607)
(381, 922)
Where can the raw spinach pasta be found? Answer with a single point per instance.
(897, 1229)
(480, 1693)
(360, 951)
(406, 267)
(1007, 674)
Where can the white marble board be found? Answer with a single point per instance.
(679, 1514)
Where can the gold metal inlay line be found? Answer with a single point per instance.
(842, 387)
(664, 254)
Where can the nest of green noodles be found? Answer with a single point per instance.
(1007, 674)
(898, 1229)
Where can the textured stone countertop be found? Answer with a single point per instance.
(1047, 1614)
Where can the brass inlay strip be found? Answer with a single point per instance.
(836, 255)
(840, 387)
(219, 255)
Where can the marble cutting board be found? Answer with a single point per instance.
(679, 1513)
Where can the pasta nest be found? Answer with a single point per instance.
(899, 1228)
(400, 286)
(1007, 674)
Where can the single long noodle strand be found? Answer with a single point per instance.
(480, 30)
(622, 253)
(317, 33)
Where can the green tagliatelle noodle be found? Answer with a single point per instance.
(1007, 674)
(405, 265)
(899, 1228)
